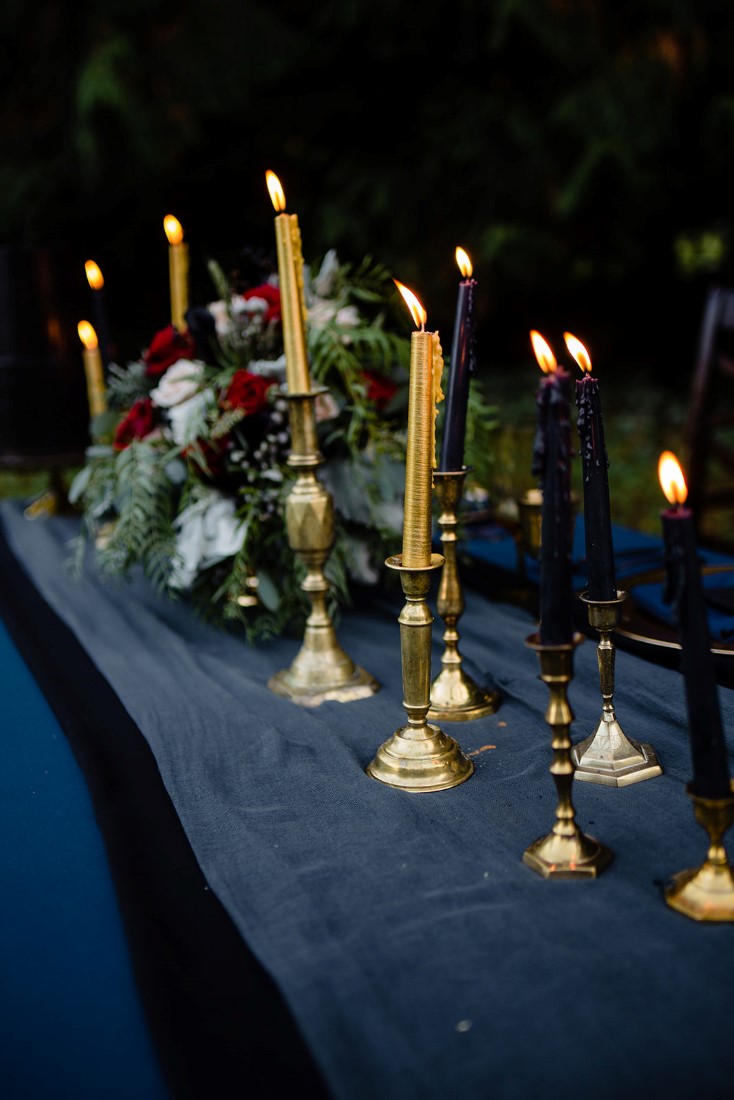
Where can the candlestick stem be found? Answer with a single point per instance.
(608, 756)
(455, 696)
(565, 852)
(706, 893)
(321, 670)
(419, 756)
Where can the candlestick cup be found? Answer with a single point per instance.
(706, 893)
(419, 756)
(566, 852)
(608, 756)
(455, 696)
(321, 670)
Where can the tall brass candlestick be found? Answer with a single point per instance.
(419, 756)
(565, 852)
(93, 369)
(178, 271)
(455, 697)
(609, 757)
(292, 300)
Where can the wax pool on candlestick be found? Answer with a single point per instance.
(292, 301)
(601, 581)
(685, 591)
(178, 271)
(551, 464)
(462, 366)
(424, 393)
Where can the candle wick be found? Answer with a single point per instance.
(423, 327)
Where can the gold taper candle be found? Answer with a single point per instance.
(292, 300)
(178, 271)
(93, 369)
(426, 365)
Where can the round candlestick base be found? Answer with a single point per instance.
(358, 685)
(420, 759)
(706, 893)
(455, 697)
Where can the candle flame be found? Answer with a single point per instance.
(277, 194)
(94, 275)
(87, 335)
(578, 351)
(172, 229)
(544, 355)
(417, 311)
(671, 477)
(465, 264)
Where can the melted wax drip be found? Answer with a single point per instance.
(585, 424)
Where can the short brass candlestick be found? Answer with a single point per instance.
(608, 756)
(455, 697)
(565, 852)
(321, 670)
(706, 893)
(419, 756)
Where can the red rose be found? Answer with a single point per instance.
(380, 389)
(166, 348)
(271, 295)
(247, 391)
(138, 423)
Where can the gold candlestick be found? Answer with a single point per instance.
(608, 756)
(455, 697)
(321, 670)
(565, 852)
(93, 369)
(706, 893)
(419, 756)
(178, 271)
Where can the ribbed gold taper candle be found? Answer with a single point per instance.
(93, 369)
(426, 365)
(178, 271)
(292, 300)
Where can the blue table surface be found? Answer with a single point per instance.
(71, 1023)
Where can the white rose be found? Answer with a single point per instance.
(187, 419)
(179, 383)
(208, 531)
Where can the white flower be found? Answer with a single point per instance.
(188, 418)
(207, 532)
(180, 382)
(222, 320)
(324, 283)
(325, 407)
(269, 368)
(322, 312)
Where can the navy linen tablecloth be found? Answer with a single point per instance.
(417, 953)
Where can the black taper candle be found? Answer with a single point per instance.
(684, 591)
(551, 464)
(600, 579)
(462, 366)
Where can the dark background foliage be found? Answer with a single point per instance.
(581, 150)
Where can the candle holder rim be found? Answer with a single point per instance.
(395, 561)
(620, 598)
(713, 803)
(533, 642)
(445, 474)
(295, 395)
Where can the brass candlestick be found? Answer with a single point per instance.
(455, 697)
(608, 756)
(321, 669)
(419, 756)
(565, 852)
(706, 893)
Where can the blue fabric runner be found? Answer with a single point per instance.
(419, 955)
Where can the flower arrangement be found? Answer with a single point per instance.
(187, 474)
